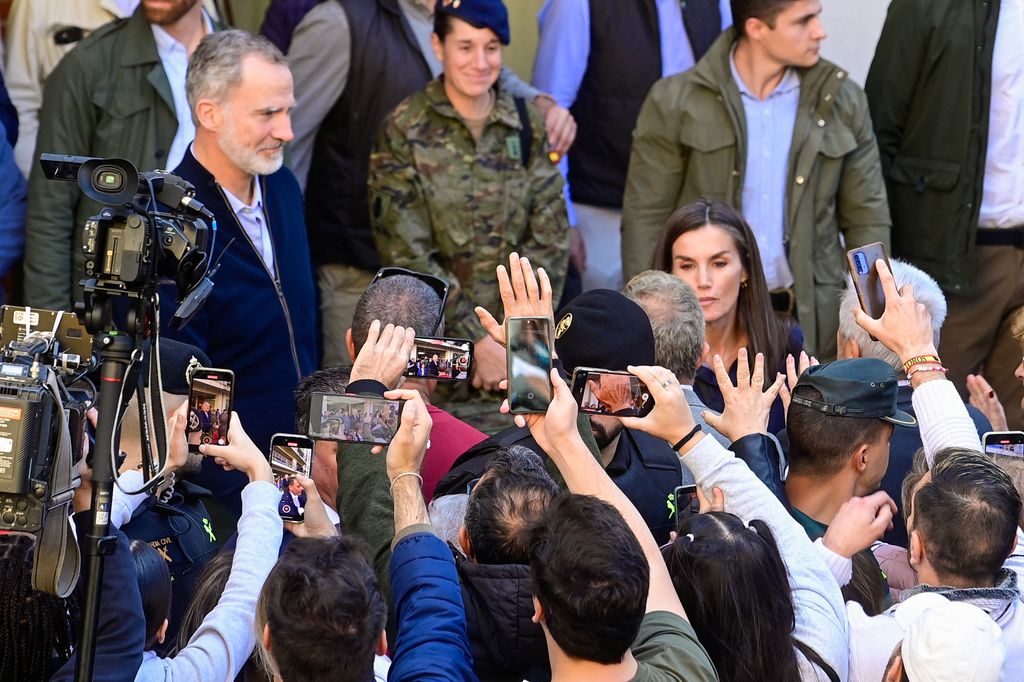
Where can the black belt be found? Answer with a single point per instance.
(1010, 236)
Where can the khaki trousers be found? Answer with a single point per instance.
(340, 289)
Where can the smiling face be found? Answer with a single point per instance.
(471, 58)
(257, 117)
(708, 260)
(794, 37)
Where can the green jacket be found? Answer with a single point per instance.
(690, 142)
(929, 88)
(109, 97)
(443, 203)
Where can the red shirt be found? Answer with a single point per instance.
(449, 438)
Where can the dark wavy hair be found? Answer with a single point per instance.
(768, 331)
(733, 584)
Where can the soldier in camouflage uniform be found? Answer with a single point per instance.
(444, 202)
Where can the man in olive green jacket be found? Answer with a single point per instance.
(691, 141)
(108, 97)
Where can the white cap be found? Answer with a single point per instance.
(951, 641)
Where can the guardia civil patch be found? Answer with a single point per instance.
(515, 149)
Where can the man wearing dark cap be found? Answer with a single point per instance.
(603, 329)
(175, 522)
(839, 424)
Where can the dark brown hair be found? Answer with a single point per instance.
(765, 10)
(768, 331)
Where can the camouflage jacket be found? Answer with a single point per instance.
(445, 204)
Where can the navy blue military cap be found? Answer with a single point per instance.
(490, 14)
(175, 358)
(602, 328)
(862, 387)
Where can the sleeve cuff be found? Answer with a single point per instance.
(409, 531)
(840, 567)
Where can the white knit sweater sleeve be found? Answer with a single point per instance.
(224, 640)
(943, 419)
(820, 612)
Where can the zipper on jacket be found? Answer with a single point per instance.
(273, 276)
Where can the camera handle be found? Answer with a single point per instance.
(115, 353)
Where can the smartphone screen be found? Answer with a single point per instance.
(291, 454)
(441, 359)
(528, 345)
(865, 277)
(353, 418)
(210, 399)
(686, 500)
(1005, 443)
(604, 391)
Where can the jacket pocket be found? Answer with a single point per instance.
(707, 139)
(837, 143)
(924, 174)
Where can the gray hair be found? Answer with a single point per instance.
(446, 516)
(215, 67)
(676, 319)
(926, 291)
(400, 300)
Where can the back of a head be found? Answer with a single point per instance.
(967, 515)
(676, 320)
(505, 503)
(324, 611)
(604, 329)
(154, 586)
(926, 292)
(400, 300)
(326, 380)
(591, 578)
(732, 581)
(820, 444)
(36, 629)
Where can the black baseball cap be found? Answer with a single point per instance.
(862, 387)
(602, 328)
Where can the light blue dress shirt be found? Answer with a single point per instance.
(254, 222)
(770, 125)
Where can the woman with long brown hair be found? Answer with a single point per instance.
(709, 245)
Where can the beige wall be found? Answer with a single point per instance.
(853, 28)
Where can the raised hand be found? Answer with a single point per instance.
(748, 403)
(385, 355)
(986, 400)
(905, 326)
(316, 523)
(523, 294)
(240, 453)
(407, 448)
(671, 418)
(859, 523)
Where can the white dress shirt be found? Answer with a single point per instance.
(254, 222)
(174, 57)
(1002, 202)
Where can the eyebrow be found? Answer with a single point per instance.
(717, 255)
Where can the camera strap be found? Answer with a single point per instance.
(57, 561)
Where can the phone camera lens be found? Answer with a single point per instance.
(861, 263)
(530, 396)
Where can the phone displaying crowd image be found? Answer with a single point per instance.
(615, 393)
(353, 418)
(442, 359)
(528, 353)
(686, 501)
(210, 400)
(1004, 443)
(290, 456)
(862, 262)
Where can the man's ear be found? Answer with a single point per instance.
(895, 671)
(351, 347)
(382, 644)
(849, 349)
(209, 115)
(915, 549)
(465, 543)
(859, 459)
(705, 351)
(538, 611)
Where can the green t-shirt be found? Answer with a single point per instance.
(666, 649)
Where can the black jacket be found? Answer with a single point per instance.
(506, 644)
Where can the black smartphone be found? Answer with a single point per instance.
(353, 418)
(291, 454)
(865, 277)
(210, 401)
(528, 354)
(1005, 443)
(686, 500)
(441, 358)
(610, 392)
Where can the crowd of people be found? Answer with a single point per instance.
(674, 195)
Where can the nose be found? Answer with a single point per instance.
(481, 60)
(819, 31)
(703, 277)
(283, 128)
(1019, 372)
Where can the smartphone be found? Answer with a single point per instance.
(687, 501)
(210, 401)
(528, 346)
(440, 358)
(353, 418)
(611, 392)
(291, 454)
(865, 277)
(1005, 443)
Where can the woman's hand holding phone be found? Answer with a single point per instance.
(240, 454)
(316, 523)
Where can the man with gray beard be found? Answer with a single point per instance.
(260, 319)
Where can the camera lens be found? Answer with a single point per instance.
(530, 396)
(108, 178)
(860, 263)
